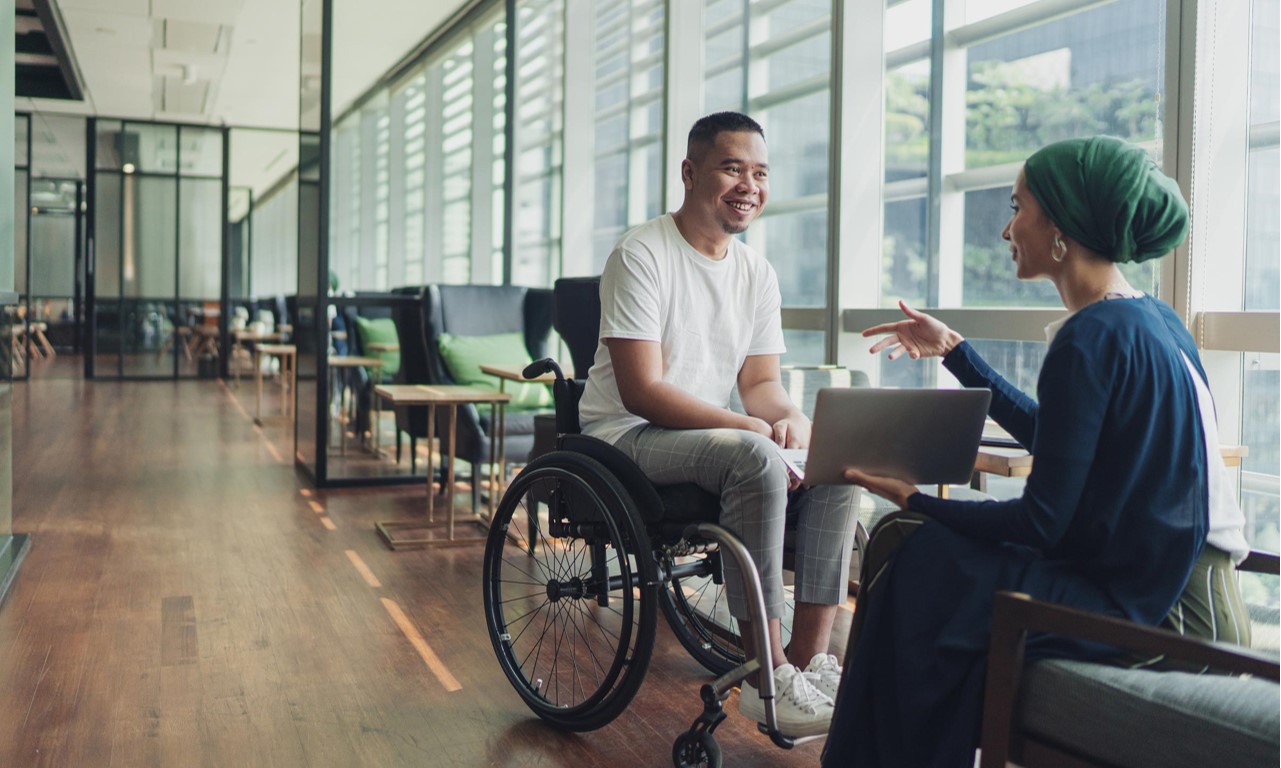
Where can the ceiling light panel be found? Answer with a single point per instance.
(189, 36)
(222, 12)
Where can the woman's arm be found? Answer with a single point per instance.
(1013, 410)
(922, 335)
(1071, 417)
(1074, 405)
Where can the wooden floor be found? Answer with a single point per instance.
(189, 601)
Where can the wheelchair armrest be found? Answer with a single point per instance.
(567, 393)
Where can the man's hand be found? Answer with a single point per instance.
(792, 432)
(759, 426)
(891, 489)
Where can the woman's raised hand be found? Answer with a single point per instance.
(918, 336)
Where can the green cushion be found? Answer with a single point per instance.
(380, 330)
(464, 355)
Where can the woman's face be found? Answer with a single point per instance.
(1030, 234)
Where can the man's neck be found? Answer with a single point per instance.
(714, 244)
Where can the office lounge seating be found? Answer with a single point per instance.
(469, 310)
(358, 379)
(1062, 712)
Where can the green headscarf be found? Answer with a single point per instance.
(1109, 196)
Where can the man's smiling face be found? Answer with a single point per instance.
(728, 182)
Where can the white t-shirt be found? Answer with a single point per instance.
(708, 317)
(1227, 521)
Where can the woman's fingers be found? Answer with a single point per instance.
(912, 313)
(876, 330)
(888, 341)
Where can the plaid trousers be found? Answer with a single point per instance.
(746, 470)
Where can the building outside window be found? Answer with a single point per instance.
(628, 69)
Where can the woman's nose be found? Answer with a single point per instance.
(1005, 233)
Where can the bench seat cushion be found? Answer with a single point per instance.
(1134, 717)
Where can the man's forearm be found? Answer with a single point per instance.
(769, 402)
(668, 406)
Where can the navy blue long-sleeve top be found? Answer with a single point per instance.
(1118, 490)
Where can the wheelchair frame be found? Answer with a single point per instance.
(570, 596)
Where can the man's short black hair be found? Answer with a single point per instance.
(706, 129)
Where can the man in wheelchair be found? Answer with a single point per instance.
(687, 312)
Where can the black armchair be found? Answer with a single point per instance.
(358, 378)
(469, 310)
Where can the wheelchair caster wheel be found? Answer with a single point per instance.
(696, 749)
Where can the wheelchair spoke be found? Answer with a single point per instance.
(587, 642)
(533, 613)
(565, 596)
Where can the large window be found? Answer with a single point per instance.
(1013, 80)
(628, 94)
(414, 137)
(344, 206)
(1260, 380)
(419, 170)
(536, 218)
(963, 109)
(773, 61)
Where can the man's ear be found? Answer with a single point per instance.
(687, 172)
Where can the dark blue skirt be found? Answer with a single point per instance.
(913, 692)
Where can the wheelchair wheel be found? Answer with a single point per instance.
(696, 749)
(697, 609)
(572, 619)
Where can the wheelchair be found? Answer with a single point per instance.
(582, 554)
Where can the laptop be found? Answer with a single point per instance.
(922, 436)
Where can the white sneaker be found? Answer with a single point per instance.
(824, 671)
(800, 709)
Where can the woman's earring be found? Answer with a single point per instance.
(1059, 253)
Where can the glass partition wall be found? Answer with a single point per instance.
(311, 332)
(157, 243)
(55, 284)
(17, 356)
(49, 213)
(261, 270)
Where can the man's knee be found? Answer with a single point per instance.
(754, 456)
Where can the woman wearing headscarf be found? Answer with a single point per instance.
(1127, 484)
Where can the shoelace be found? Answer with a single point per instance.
(803, 693)
(829, 668)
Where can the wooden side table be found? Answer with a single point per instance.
(1016, 462)
(498, 441)
(238, 338)
(450, 397)
(37, 329)
(341, 362)
(288, 371)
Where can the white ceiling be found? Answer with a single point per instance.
(222, 62)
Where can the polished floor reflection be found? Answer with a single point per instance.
(189, 600)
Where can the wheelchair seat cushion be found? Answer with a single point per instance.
(687, 503)
(680, 504)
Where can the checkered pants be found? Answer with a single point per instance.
(745, 469)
